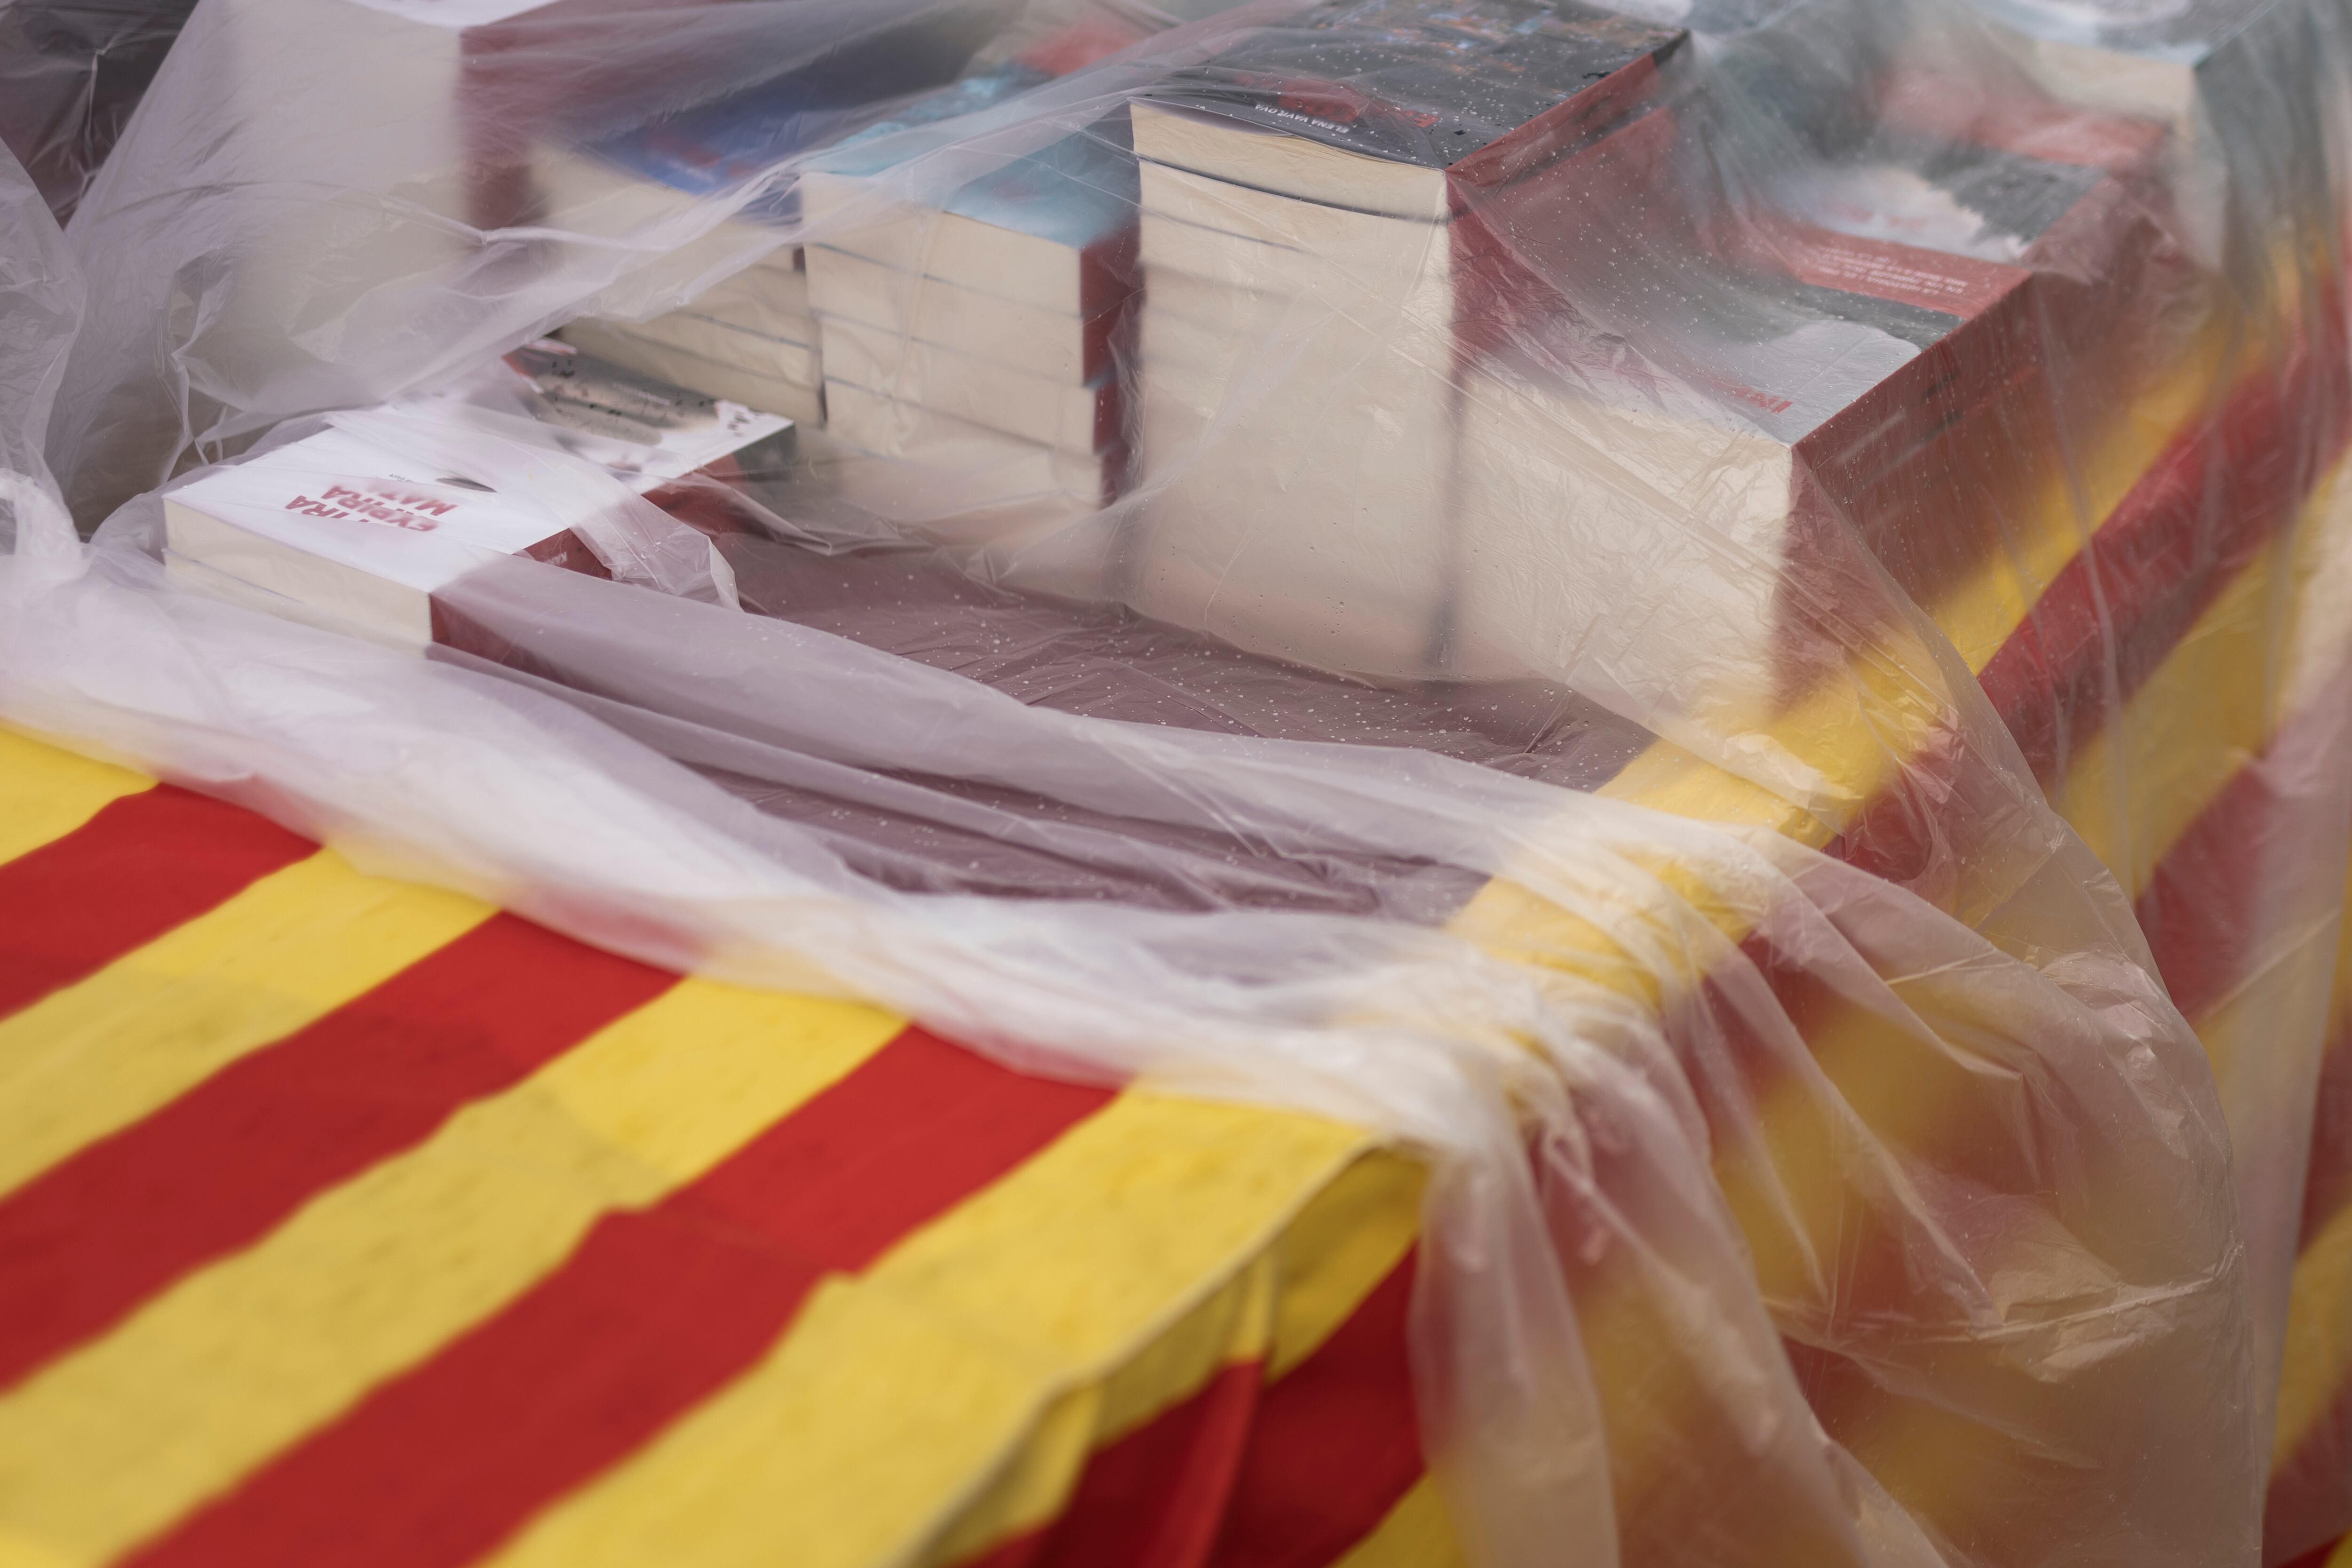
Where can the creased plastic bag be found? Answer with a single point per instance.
(1562, 652)
(40, 309)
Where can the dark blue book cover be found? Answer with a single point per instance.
(1444, 84)
(717, 146)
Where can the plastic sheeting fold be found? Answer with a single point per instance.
(1732, 622)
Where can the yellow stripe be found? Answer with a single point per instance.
(1666, 778)
(19, 1554)
(899, 1393)
(2319, 1349)
(2213, 705)
(230, 1365)
(1233, 1325)
(1415, 1534)
(46, 792)
(98, 1056)
(2316, 1362)
(2339, 993)
(1944, 1465)
(2140, 783)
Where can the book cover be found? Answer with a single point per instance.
(1078, 191)
(867, 152)
(834, 103)
(522, 99)
(1483, 89)
(343, 527)
(715, 146)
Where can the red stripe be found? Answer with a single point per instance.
(1156, 1498)
(1334, 1445)
(2196, 517)
(219, 1167)
(2315, 1558)
(2201, 911)
(144, 864)
(1290, 1476)
(655, 1311)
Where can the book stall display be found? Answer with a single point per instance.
(1327, 781)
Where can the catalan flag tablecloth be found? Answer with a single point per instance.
(348, 1220)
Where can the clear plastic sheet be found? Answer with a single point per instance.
(70, 74)
(1634, 1063)
(40, 310)
(1706, 654)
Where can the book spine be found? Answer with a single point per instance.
(1506, 246)
(568, 550)
(1922, 471)
(1109, 272)
(1117, 435)
(1926, 466)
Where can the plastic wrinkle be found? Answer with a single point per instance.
(1731, 626)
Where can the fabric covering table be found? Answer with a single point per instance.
(347, 1220)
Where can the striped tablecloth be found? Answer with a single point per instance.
(347, 1220)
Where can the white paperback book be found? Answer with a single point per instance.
(1013, 332)
(345, 530)
(915, 465)
(783, 359)
(1295, 421)
(1047, 410)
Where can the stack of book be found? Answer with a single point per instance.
(977, 343)
(755, 337)
(750, 339)
(1305, 232)
(1876, 382)
(1379, 436)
